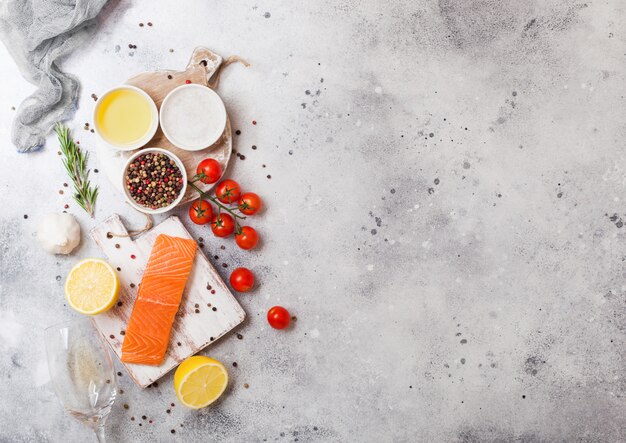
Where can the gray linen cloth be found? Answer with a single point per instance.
(37, 33)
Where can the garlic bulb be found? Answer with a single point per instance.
(58, 233)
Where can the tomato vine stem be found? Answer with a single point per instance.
(220, 206)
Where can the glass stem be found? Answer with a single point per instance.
(100, 434)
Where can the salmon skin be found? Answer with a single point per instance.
(148, 333)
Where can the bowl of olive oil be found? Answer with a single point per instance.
(126, 117)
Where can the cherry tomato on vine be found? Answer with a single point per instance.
(222, 225)
(278, 317)
(247, 238)
(200, 212)
(210, 170)
(250, 203)
(242, 279)
(228, 191)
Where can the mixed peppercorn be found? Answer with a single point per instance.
(154, 180)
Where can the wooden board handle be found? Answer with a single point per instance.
(206, 59)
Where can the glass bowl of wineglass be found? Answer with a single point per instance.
(82, 372)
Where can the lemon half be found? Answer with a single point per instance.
(199, 381)
(92, 286)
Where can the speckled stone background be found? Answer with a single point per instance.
(445, 217)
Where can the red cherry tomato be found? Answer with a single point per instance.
(250, 203)
(278, 317)
(200, 212)
(210, 170)
(227, 191)
(242, 279)
(247, 238)
(222, 225)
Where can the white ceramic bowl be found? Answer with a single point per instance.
(193, 117)
(149, 134)
(142, 208)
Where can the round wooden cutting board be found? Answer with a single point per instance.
(201, 67)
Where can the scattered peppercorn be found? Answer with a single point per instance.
(254, 122)
(25, 216)
(111, 336)
(214, 308)
(154, 180)
(119, 374)
(169, 411)
(125, 406)
(254, 147)
(234, 364)
(122, 332)
(169, 77)
(132, 285)
(269, 176)
(141, 25)
(143, 417)
(238, 132)
(173, 431)
(149, 23)
(119, 303)
(246, 385)
(110, 235)
(240, 337)
(117, 245)
(197, 311)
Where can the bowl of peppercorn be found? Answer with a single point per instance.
(155, 180)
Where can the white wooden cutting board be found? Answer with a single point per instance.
(219, 312)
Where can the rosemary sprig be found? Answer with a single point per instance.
(75, 162)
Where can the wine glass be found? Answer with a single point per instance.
(82, 372)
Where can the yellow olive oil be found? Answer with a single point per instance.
(124, 117)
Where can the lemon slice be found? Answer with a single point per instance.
(199, 381)
(92, 286)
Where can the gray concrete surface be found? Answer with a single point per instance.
(444, 217)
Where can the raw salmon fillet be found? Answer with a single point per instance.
(148, 333)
